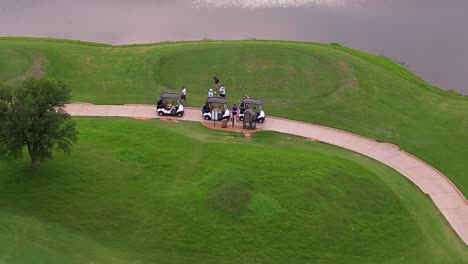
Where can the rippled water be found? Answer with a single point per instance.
(430, 36)
(274, 3)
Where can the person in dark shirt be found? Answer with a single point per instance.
(217, 82)
(234, 112)
(160, 103)
(206, 108)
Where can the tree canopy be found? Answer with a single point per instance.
(32, 114)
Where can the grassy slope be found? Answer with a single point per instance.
(148, 191)
(324, 84)
(12, 64)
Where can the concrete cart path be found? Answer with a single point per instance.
(448, 199)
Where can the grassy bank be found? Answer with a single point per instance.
(150, 191)
(324, 84)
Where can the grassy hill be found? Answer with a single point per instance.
(324, 84)
(158, 192)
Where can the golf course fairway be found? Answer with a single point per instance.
(323, 84)
(152, 191)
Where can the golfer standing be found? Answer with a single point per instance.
(222, 91)
(210, 93)
(216, 81)
(183, 95)
(234, 112)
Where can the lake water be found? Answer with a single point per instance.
(431, 36)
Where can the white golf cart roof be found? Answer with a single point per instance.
(169, 95)
(252, 101)
(216, 100)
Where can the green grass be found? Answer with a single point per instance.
(325, 84)
(151, 192)
(12, 64)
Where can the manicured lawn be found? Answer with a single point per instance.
(12, 64)
(158, 192)
(324, 84)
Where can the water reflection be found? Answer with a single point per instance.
(274, 3)
(429, 35)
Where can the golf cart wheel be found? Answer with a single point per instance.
(241, 118)
(180, 114)
(261, 120)
(160, 113)
(207, 118)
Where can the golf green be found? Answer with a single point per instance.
(323, 84)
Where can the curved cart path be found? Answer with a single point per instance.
(448, 199)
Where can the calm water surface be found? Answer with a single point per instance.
(431, 36)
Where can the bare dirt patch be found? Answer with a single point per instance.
(141, 118)
(247, 135)
(246, 132)
(36, 70)
(86, 60)
(169, 120)
(348, 79)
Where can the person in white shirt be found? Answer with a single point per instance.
(183, 94)
(222, 91)
(210, 93)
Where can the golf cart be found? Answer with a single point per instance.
(164, 106)
(254, 106)
(216, 106)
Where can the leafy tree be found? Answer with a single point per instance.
(32, 115)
